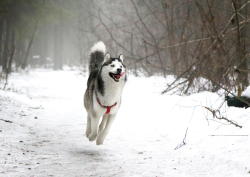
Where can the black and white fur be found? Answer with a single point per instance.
(106, 80)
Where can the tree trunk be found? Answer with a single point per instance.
(58, 46)
(25, 61)
(12, 52)
(1, 39)
(242, 80)
(6, 46)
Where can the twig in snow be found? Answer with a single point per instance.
(216, 114)
(183, 143)
(8, 121)
(228, 135)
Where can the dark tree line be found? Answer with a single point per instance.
(32, 33)
(191, 39)
(205, 44)
(18, 27)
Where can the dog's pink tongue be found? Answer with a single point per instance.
(117, 76)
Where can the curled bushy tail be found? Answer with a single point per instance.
(96, 56)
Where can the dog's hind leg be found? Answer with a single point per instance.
(104, 132)
(88, 128)
(94, 128)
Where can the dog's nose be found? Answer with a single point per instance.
(119, 70)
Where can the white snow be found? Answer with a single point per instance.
(47, 137)
(246, 92)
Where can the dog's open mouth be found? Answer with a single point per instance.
(116, 77)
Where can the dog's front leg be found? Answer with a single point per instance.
(94, 127)
(88, 128)
(104, 132)
(103, 123)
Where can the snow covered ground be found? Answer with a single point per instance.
(42, 125)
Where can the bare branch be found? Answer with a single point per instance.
(183, 143)
(216, 114)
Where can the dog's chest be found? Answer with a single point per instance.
(108, 103)
(111, 96)
(112, 91)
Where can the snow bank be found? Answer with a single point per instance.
(246, 92)
(142, 142)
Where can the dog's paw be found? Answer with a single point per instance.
(87, 133)
(99, 141)
(92, 137)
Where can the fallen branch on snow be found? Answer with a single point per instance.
(8, 121)
(216, 114)
(228, 135)
(183, 143)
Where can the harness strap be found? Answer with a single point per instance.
(108, 108)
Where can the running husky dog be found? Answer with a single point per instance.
(102, 98)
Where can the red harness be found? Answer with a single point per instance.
(108, 108)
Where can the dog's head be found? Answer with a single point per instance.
(114, 67)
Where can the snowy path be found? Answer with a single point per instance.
(46, 135)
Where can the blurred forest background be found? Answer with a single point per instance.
(205, 44)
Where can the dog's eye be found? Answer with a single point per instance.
(112, 66)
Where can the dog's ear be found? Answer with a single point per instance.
(121, 57)
(107, 57)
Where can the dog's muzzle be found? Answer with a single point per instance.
(116, 76)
